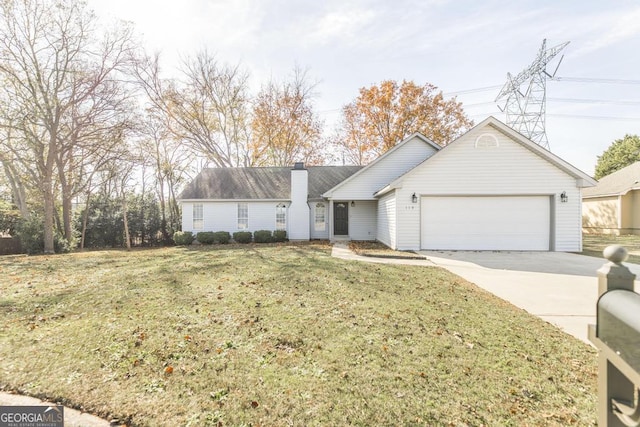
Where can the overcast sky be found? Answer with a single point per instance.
(465, 48)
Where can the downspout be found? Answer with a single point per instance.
(330, 222)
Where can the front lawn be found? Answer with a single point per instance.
(280, 335)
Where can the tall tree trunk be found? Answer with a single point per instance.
(67, 199)
(126, 221)
(49, 207)
(174, 210)
(163, 212)
(85, 218)
(67, 211)
(18, 191)
(48, 190)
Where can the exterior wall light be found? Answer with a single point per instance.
(353, 203)
(414, 198)
(563, 197)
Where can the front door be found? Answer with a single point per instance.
(341, 219)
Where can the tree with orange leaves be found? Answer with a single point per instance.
(385, 114)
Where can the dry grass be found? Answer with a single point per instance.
(281, 335)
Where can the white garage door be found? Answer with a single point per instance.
(486, 223)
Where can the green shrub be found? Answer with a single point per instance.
(61, 245)
(31, 234)
(242, 236)
(205, 237)
(183, 238)
(262, 236)
(280, 236)
(222, 237)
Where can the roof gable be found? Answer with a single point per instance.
(382, 158)
(583, 179)
(587, 181)
(618, 183)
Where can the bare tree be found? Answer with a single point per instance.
(170, 163)
(207, 108)
(12, 169)
(54, 72)
(285, 127)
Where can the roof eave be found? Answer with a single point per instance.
(612, 194)
(232, 200)
(384, 190)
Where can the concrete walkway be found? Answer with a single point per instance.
(72, 417)
(559, 287)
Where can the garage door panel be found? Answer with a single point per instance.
(485, 223)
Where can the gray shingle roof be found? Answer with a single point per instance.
(261, 183)
(618, 183)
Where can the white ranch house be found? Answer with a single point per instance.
(490, 189)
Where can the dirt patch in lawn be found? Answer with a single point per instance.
(378, 250)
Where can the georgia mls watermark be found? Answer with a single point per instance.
(31, 416)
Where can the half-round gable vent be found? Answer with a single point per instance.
(486, 140)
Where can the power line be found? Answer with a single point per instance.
(556, 79)
(593, 101)
(569, 116)
(568, 100)
(577, 116)
(594, 80)
(480, 89)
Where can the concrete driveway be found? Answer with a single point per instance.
(558, 287)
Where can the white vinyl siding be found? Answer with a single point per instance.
(386, 232)
(198, 216)
(281, 217)
(486, 223)
(223, 216)
(507, 170)
(362, 220)
(378, 175)
(243, 216)
(320, 217)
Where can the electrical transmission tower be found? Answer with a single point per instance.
(523, 98)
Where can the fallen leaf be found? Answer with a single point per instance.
(168, 370)
(254, 404)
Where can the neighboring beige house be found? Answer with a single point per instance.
(490, 189)
(613, 206)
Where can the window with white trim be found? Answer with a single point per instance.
(243, 216)
(281, 217)
(198, 216)
(320, 223)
